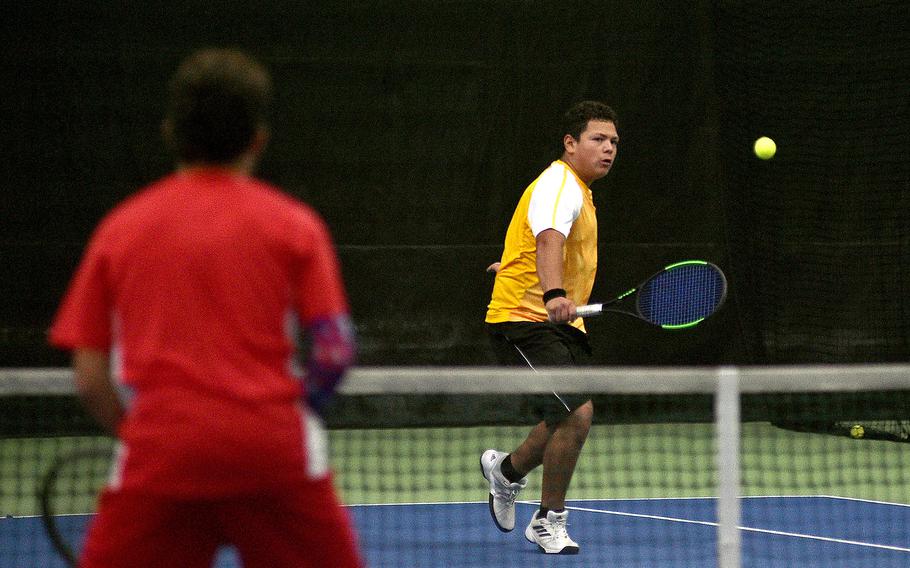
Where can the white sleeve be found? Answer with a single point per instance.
(556, 202)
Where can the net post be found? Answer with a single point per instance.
(727, 432)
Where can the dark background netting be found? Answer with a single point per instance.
(819, 238)
(414, 126)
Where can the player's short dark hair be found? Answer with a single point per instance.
(216, 101)
(576, 119)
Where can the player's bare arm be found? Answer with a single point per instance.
(550, 246)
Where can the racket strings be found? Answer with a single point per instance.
(681, 296)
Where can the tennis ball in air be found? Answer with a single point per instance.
(857, 431)
(764, 148)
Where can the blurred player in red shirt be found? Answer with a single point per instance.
(183, 319)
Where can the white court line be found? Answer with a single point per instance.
(419, 503)
(691, 521)
(628, 499)
(872, 501)
(746, 529)
(695, 522)
(664, 518)
(744, 498)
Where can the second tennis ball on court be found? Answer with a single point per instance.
(765, 148)
(857, 431)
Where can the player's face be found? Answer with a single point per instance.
(592, 155)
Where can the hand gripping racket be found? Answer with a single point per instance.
(679, 296)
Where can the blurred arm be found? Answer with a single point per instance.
(333, 350)
(91, 370)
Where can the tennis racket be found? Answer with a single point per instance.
(678, 297)
(67, 495)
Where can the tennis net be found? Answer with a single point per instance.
(728, 467)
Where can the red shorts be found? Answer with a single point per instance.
(302, 528)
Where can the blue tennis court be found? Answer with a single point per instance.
(660, 533)
(815, 531)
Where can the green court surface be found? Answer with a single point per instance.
(419, 465)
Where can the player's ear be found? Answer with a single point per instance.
(167, 132)
(260, 139)
(568, 144)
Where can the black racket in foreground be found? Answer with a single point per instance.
(679, 296)
(68, 495)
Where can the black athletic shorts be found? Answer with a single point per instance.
(531, 344)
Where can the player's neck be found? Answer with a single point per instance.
(567, 160)
(243, 166)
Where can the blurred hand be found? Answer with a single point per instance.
(494, 267)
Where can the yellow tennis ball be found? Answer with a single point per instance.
(765, 148)
(857, 431)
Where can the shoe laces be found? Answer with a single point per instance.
(508, 492)
(558, 528)
(513, 494)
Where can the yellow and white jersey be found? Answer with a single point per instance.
(559, 200)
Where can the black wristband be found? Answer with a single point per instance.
(554, 293)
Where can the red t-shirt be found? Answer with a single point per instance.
(197, 286)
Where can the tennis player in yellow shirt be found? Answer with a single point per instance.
(547, 269)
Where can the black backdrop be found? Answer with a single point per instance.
(414, 126)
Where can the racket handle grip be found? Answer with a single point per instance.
(589, 310)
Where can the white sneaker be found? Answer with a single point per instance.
(502, 492)
(550, 534)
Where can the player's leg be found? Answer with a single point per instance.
(136, 531)
(304, 527)
(569, 431)
(530, 453)
(521, 344)
(568, 421)
(561, 456)
(547, 528)
(543, 345)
